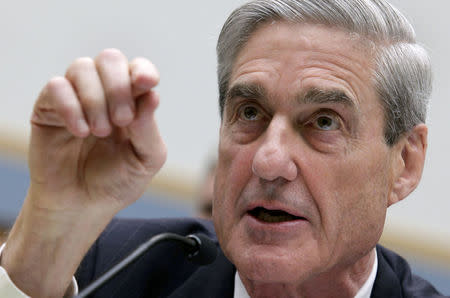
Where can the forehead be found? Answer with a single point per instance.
(306, 56)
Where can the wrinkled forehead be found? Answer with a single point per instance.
(298, 48)
(304, 34)
(306, 30)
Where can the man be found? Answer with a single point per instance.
(323, 106)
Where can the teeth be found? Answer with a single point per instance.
(272, 216)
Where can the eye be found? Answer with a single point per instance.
(326, 122)
(249, 113)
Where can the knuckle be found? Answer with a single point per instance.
(139, 61)
(64, 106)
(57, 93)
(110, 54)
(82, 65)
(55, 84)
(144, 69)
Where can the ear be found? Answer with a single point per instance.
(409, 159)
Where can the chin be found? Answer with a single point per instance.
(263, 264)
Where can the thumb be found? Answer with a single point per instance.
(144, 133)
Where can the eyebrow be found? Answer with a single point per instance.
(312, 96)
(320, 96)
(248, 91)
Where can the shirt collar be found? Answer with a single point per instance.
(364, 291)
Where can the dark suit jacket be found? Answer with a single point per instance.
(164, 271)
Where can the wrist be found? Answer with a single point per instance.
(46, 246)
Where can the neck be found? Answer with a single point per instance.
(343, 281)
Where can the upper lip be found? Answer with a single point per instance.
(274, 205)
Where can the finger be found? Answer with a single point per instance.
(58, 106)
(112, 66)
(144, 76)
(82, 73)
(144, 133)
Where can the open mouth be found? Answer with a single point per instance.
(272, 216)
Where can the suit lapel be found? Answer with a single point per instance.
(387, 284)
(215, 280)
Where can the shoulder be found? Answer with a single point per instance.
(395, 278)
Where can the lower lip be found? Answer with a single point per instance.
(273, 230)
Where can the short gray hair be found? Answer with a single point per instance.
(402, 75)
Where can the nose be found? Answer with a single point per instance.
(273, 158)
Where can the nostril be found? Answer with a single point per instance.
(266, 164)
(272, 166)
(291, 171)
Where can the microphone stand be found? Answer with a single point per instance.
(192, 242)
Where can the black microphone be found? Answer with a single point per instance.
(198, 248)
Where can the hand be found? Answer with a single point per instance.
(94, 147)
(94, 137)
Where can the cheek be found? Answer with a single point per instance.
(234, 170)
(353, 205)
(367, 179)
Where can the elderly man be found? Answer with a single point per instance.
(323, 106)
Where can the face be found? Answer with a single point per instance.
(304, 175)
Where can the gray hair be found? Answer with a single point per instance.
(402, 74)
